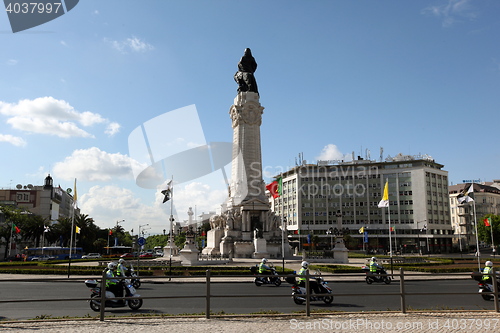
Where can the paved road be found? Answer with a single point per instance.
(359, 297)
(423, 322)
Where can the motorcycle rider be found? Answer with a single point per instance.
(122, 270)
(375, 268)
(488, 269)
(264, 269)
(313, 285)
(112, 284)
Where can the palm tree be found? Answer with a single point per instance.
(33, 228)
(60, 232)
(88, 232)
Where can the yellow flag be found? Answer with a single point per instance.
(385, 199)
(77, 229)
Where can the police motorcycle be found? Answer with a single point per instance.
(134, 279)
(265, 279)
(129, 272)
(378, 277)
(95, 302)
(485, 288)
(298, 292)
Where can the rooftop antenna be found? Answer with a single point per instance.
(381, 154)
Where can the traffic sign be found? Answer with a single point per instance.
(141, 241)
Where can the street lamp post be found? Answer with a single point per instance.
(427, 238)
(138, 246)
(330, 232)
(139, 235)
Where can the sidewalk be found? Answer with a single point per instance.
(421, 322)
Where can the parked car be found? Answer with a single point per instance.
(146, 255)
(14, 258)
(91, 256)
(127, 255)
(43, 257)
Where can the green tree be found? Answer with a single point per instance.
(60, 232)
(484, 232)
(11, 216)
(156, 240)
(88, 233)
(33, 228)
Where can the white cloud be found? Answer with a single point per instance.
(451, 11)
(138, 45)
(133, 44)
(12, 62)
(94, 164)
(16, 141)
(47, 115)
(108, 204)
(112, 129)
(196, 194)
(330, 152)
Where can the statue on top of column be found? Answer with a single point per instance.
(244, 76)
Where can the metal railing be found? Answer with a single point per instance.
(208, 294)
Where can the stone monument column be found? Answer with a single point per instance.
(246, 173)
(247, 216)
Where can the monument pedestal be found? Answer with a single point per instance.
(227, 246)
(260, 245)
(170, 250)
(340, 252)
(189, 254)
(214, 238)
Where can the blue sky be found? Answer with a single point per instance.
(335, 77)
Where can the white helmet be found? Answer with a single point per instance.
(374, 259)
(112, 265)
(121, 261)
(305, 264)
(264, 260)
(488, 263)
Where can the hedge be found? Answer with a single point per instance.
(199, 271)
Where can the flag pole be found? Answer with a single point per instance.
(492, 243)
(478, 253)
(171, 223)
(283, 220)
(10, 238)
(75, 198)
(71, 239)
(390, 236)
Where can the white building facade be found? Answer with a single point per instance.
(319, 198)
(486, 198)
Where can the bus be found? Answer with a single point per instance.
(53, 252)
(116, 251)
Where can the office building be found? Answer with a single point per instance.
(319, 198)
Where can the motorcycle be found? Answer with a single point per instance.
(298, 292)
(379, 276)
(134, 279)
(95, 302)
(265, 279)
(484, 287)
